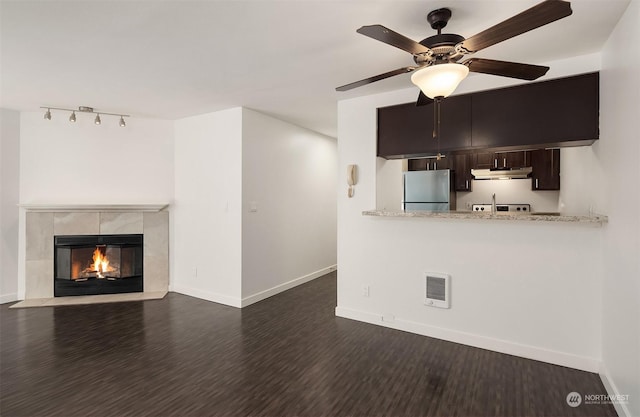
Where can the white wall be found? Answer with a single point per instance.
(9, 195)
(529, 289)
(288, 176)
(619, 152)
(63, 162)
(207, 219)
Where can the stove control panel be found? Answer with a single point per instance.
(510, 208)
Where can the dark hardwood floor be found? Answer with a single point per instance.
(285, 356)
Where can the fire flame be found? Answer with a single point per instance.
(100, 262)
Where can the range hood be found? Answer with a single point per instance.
(501, 173)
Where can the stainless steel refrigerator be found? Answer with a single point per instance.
(428, 190)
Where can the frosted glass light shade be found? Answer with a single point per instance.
(439, 80)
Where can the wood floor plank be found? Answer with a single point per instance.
(285, 356)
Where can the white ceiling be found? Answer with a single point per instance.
(171, 59)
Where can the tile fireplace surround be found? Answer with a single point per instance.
(43, 222)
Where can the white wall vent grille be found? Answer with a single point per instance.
(437, 291)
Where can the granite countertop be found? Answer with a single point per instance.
(469, 215)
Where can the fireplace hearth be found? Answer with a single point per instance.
(98, 264)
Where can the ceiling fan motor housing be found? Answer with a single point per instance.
(443, 47)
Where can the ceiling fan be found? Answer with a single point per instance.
(439, 66)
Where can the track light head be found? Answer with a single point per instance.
(47, 115)
(98, 120)
(122, 123)
(72, 118)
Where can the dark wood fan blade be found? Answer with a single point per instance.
(423, 100)
(375, 78)
(505, 68)
(386, 35)
(539, 15)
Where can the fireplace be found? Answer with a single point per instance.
(97, 264)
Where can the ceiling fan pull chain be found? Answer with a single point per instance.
(436, 118)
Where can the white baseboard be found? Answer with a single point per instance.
(8, 298)
(286, 286)
(237, 302)
(610, 386)
(483, 342)
(209, 296)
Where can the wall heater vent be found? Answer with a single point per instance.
(437, 291)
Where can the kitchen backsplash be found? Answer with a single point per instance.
(508, 192)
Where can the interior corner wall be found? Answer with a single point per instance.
(207, 220)
(288, 205)
(9, 198)
(619, 153)
(501, 272)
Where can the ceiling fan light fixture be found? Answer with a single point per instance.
(439, 80)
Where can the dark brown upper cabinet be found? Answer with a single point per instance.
(514, 159)
(406, 130)
(546, 169)
(548, 113)
(428, 164)
(554, 113)
(483, 160)
(462, 164)
(502, 159)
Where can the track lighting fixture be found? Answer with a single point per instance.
(85, 109)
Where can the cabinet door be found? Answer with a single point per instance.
(428, 164)
(462, 167)
(546, 169)
(541, 113)
(417, 164)
(406, 130)
(515, 159)
(443, 163)
(483, 160)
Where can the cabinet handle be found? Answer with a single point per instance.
(467, 184)
(504, 162)
(435, 165)
(495, 162)
(536, 183)
(428, 163)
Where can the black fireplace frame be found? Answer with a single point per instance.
(68, 287)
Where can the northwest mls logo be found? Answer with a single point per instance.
(574, 399)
